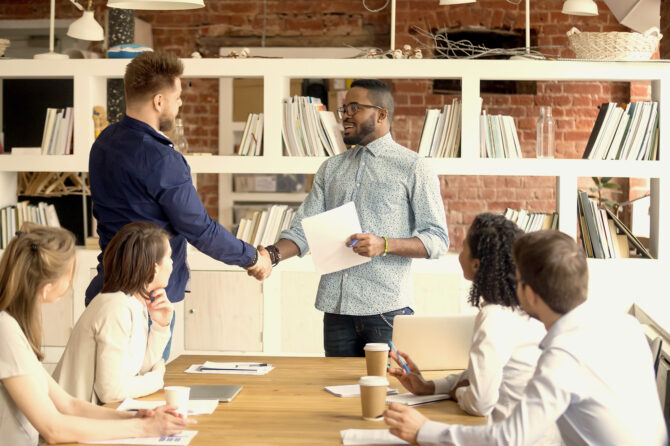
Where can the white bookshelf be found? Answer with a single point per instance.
(629, 280)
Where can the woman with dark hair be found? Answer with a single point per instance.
(505, 341)
(37, 268)
(111, 354)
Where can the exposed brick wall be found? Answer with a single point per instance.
(339, 22)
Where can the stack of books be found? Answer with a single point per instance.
(532, 221)
(624, 132)
(604, 236)
(252, 138)
(264, 226)
(441, 134)
(57, 135)
(13, 217)
(309, 130)
(498, 137)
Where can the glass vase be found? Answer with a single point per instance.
(546, 134)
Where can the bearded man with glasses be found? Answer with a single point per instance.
(397, 197)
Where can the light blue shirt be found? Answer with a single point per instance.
(396, 195)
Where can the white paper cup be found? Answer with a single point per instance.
(178, 396)
(376, 358)
(373, 396)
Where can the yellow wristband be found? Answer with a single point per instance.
(386, 246)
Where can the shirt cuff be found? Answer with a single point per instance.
(435, 247)
(299, 241)
(447, 384)
(430, 433)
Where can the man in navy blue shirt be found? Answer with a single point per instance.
(136, 175)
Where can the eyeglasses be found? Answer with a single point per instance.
(352, 108)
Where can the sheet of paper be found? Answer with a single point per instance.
(176, 440)
(351, 390)
(369, 436)
(231, 368)
(326, 235)
(195, 407)
(409, 399)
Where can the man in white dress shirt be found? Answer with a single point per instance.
(595, 377)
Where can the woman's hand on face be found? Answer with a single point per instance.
(160, 308)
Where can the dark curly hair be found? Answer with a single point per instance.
(490, 239)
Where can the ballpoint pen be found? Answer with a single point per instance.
(353, 243)
(402, 363)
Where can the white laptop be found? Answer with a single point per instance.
(435, 342)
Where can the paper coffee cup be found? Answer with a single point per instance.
(373, 396)
(376, 358)
(178, 396)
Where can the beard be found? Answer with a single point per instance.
(165, 123)
(366, 128)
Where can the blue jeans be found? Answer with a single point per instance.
(166, 352)
(345, 335)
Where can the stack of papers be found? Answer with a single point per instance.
(175, 440)
(369, 436)
(409, 399)
(231, 368)
(195, 407)
(351, 390)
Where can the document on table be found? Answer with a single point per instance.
(351, 390)
(409, 399)
(176, 440)
(231, 368)
(195, 407)
(326, 235)
(369, 436)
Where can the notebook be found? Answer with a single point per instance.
(221, 393)
(435, 342)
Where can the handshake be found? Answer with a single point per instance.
(262, 269)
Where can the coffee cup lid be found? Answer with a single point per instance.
(373, 381)
(376, 347)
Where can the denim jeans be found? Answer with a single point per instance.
(166, 352)
(345, 335)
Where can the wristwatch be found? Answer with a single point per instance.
(275, 256)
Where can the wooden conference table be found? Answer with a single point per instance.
(289, 406)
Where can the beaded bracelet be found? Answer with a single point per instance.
(386, 246)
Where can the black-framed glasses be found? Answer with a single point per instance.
(352, 108)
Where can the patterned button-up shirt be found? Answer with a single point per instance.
(396, 195)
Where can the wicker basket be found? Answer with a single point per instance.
(614, 45)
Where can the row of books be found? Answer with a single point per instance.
(57, 135)
(13, 217)
(264, 226)
(252, 138)
(498, 137)
(441, 134)
(532, 221)
(308, 129)
(624, 132)
(604, 236)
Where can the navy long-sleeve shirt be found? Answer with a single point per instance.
(136, 175)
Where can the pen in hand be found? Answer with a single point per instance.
(402, 363)
(353, 243)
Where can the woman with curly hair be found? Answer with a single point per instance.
(505, 341)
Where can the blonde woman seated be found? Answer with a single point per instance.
(37, 268)
(505, 341)
(112, 354)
